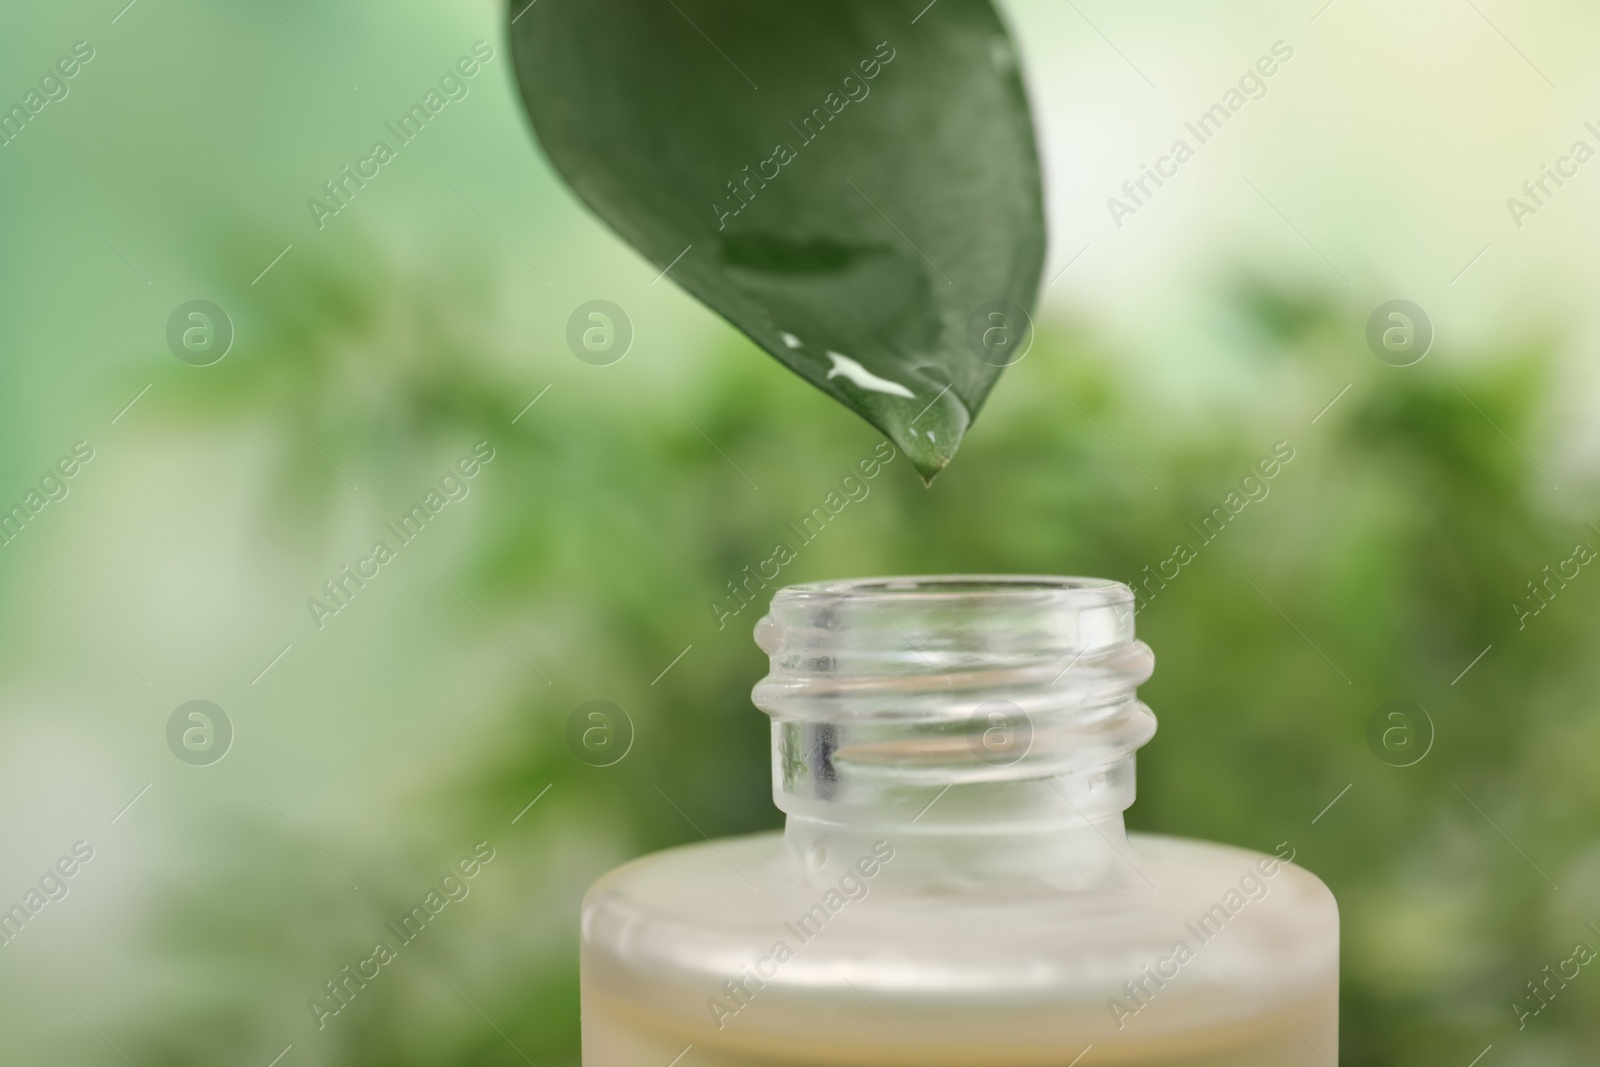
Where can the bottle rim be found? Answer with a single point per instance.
(962, 585)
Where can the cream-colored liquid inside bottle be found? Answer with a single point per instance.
(954, 887)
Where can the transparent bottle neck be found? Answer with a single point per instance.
(984, 727)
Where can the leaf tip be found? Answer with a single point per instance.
(928, 457)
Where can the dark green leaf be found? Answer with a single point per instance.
(855, 183)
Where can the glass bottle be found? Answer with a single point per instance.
(954, 886)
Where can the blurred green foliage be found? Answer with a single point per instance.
(1383, 562)
(1383, 565)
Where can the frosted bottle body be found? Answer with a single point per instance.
(954, 885)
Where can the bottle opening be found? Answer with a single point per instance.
(1015, 694)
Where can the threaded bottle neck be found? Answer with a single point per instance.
(965, 706)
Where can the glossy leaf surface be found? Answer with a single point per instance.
(853, 184)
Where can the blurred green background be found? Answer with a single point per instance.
(1172, 353)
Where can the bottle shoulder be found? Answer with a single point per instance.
(703, 912)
